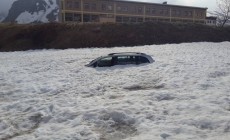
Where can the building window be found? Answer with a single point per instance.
(109, 7)
(68, 16)
(124, 9)
(103, 15)
(201, 14)
(147, 19)
(166, 12)
(118, 19)
(178, 13)
(86, 18)
(103, 7)
(86, 6)
(162, 11)
(93, 6)
(173, 12)
(133, 19)
(95, 18)
(139, 19)
(69, 4)
(77, 17)
(62, 5)
(118, 8)
(186, 13)
(109, 16)
(63, 19)
(139, 10)
(153, 10)
(148, 10)
(76, 5)
(125, 19)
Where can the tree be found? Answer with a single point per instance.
(223, 12)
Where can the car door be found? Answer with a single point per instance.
(125, 60)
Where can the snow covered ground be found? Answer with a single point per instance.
(50, 94)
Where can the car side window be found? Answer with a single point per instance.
(142, 59)
(105, 62)
(123, 60)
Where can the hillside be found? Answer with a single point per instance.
(63, 36)
(32, 11)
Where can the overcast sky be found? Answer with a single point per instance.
(210, 4)
(5, 4)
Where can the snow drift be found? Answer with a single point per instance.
(50, 94)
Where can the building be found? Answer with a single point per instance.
(118, 11)
(211, 21)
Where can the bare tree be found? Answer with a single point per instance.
(223, 12)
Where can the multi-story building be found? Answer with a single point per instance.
(118, 11)
(211, 21)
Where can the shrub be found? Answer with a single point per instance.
(63, 36)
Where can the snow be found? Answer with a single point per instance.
(50, 94)
(27, 17)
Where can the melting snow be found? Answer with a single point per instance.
(50, 94)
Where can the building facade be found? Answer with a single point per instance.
(211, 21)
(117, 11)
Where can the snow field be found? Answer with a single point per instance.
(50, 94)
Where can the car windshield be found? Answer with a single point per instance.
(104, 62)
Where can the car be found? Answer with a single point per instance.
(123, 58)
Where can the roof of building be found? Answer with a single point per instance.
(211, 18)
(164, 3)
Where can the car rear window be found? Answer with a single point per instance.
(142, 59)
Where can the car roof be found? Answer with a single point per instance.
(126, 53)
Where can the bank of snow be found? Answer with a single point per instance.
(50, 94)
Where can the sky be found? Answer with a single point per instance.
(210, 4)
(5, 5)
